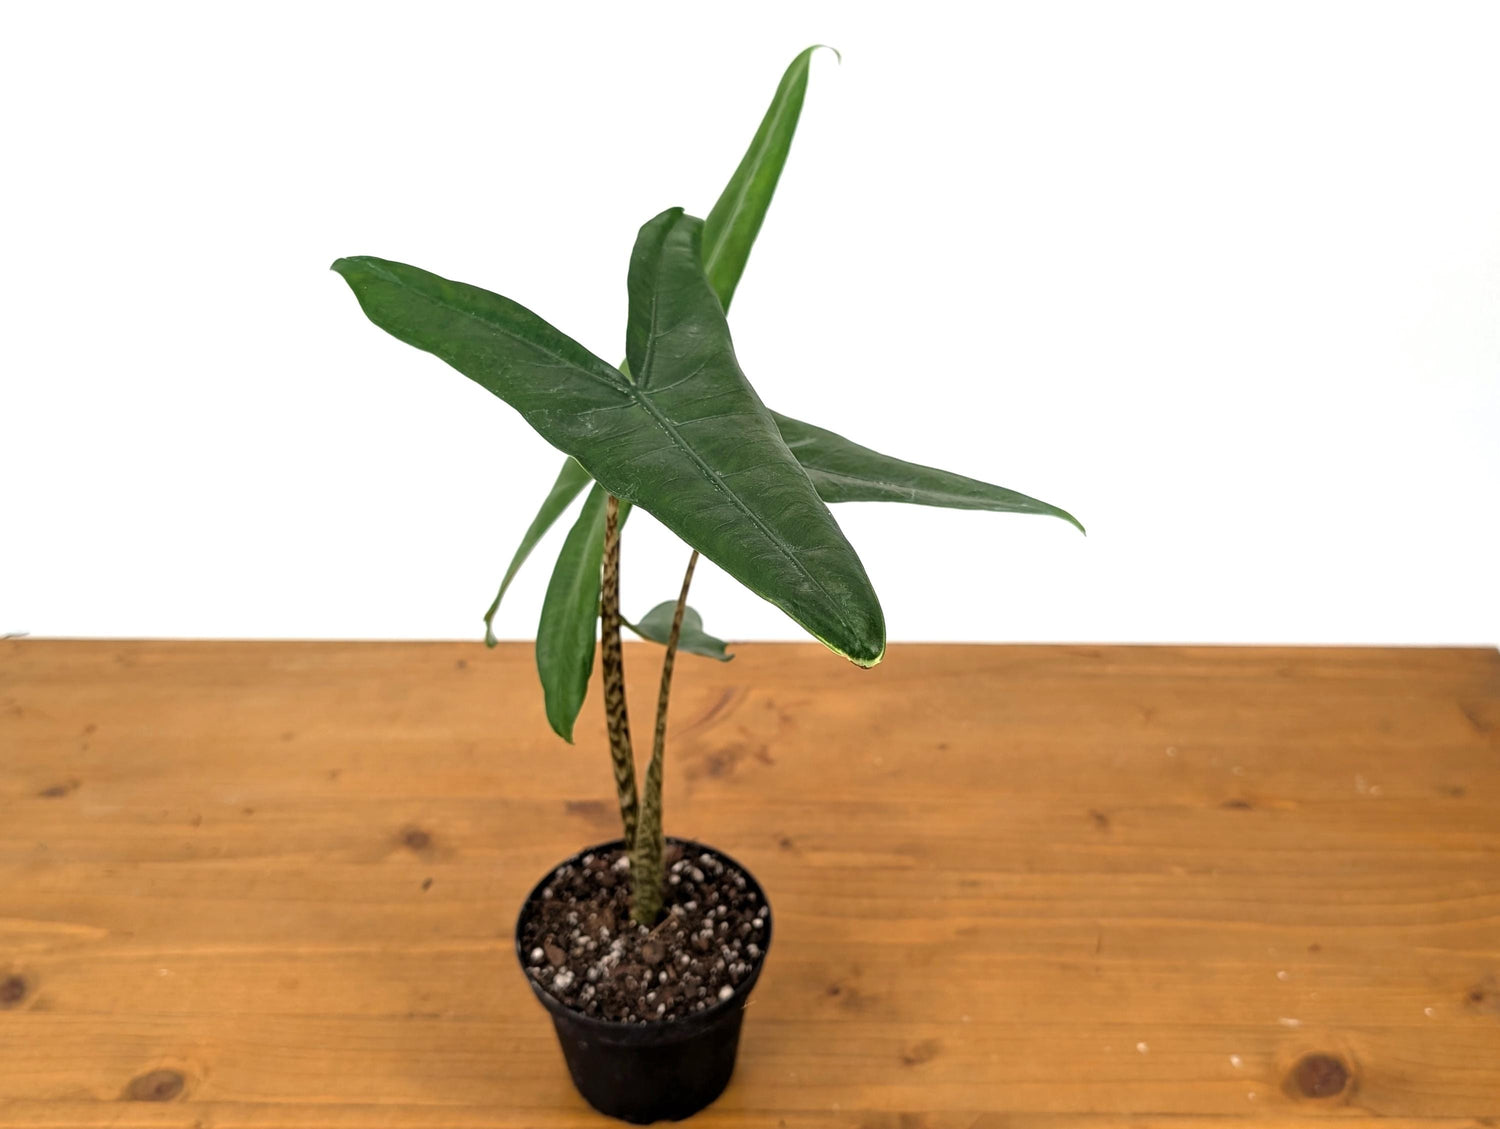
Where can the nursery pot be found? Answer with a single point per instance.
(660, 1069)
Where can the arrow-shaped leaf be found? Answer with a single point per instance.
(686, 438)
(656, 625)
(728, 234)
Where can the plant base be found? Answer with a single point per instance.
(656, 1070)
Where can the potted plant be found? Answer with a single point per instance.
(644, 950)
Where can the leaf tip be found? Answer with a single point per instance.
(1071, 520)
(863, 657)
(666, 217)
(837, 54)
(353, 267)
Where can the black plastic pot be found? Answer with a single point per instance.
(659, 1070)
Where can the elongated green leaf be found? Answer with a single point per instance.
(687, 438)
(846, 472)
(565, 635)
(656, 625)
(570, 483)
(731, 227)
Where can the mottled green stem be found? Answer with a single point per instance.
(612, 673)
(646, 868)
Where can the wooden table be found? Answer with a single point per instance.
(267, 884)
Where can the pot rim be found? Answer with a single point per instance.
(666, 1030)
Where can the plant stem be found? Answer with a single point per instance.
(646, 869)
(612, 674)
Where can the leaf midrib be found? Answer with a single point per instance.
(637, 379)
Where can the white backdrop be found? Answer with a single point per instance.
(1223, 280)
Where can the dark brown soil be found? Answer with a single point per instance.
(580, 945)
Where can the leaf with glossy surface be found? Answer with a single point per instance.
(731, 227)
(656, 625)
(687, 438)
(570, 483)
(756, 514)
(565, 635)
(844, 471)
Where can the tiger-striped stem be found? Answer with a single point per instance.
(612, 674)
(646, 867)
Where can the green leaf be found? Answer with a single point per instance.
(846, 472)
(687, 438)
(731, 227)
(570, 483)
(656, 625)
(565, 635)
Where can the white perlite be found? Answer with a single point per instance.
(725, 992)
(564, 980)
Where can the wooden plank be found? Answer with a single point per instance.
(272, 884)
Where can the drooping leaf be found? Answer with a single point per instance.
(656, 625)
(731, 227)
(686, 438)
(846, 472)
(570, 483)
(565, 634)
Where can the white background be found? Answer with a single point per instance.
(1223, 280)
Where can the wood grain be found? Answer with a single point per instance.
(273, 884)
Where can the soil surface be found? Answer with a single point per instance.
(580, 945)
